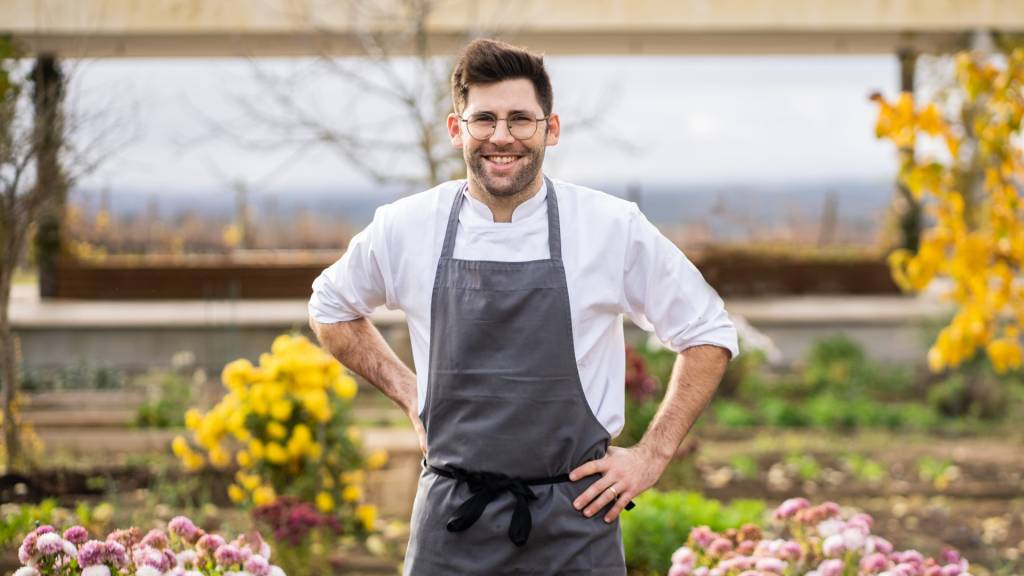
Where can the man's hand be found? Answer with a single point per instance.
(420, 431)
(629, 471)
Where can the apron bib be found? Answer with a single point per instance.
(506, 421)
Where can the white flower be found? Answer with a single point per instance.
(147, 571)
(853, 538)
(50, 543)
(97, 570)
(70, 549)
(276, 571)
(831, 526)
(833, 546)
(26, 571)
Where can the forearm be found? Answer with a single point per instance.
(359, 346)
(695, 377)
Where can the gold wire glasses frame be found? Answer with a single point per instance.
(520, 127)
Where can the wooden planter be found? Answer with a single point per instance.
(743, 274)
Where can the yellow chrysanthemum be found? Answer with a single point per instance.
(377, 459)
(324, 502)
(276, 454)
(236, 374)
(236, 494)
(352, 493)
(367, 515)
(281, 409)
(263, 496)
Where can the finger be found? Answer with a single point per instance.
(604, 499)
(589, 468)
(592, 491)
(623, 500)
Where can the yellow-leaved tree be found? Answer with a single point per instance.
(972, 191)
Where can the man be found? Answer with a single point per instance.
(514, 287)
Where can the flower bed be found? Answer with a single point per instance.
(183, 550)
(820, 543)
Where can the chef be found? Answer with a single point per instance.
(514, 286)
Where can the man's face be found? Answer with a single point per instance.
(503, 165)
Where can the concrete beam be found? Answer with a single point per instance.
(226, 28)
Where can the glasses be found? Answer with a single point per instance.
(520, 126)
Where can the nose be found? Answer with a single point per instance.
(502, 135)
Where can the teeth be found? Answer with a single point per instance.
(501, 159)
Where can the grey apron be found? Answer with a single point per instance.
(506, 421)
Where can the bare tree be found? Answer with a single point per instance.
(390, 124)
(38, 162)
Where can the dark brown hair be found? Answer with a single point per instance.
(486, 61)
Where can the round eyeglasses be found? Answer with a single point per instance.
(520, 126)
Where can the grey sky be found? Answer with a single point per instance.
(687, 120)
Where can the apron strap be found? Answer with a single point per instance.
(554, 227)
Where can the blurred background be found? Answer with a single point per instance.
(177, 172)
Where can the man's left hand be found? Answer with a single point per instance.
(627, 471)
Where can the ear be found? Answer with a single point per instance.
(554, 130)
(455, 130)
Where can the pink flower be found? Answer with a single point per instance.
(76, 535)
(737, 563)
(208, 544)
(881, 544)
(45, 529)
(833, 567)
(117, 554)
(92, 553)
(228, 555)
(679, 570)
(874, 562)
(698, 571)
(684, 556)
(155, 539)
(746, 547)
(258, 566)
(719, 546)
(791, 551)
(702, 536)
(790, 507)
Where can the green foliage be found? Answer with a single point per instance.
(733, 414)
(863, 468)
(80, 376)
(804, 465)
(662, 521)
(783, 413)
(23, 519)
(167, 409)
(745, 466)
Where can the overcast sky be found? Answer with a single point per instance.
(686, 120)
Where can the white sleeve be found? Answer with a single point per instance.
(663, 291)
(359, 281)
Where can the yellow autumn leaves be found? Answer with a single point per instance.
(284, 423)
(977, 235)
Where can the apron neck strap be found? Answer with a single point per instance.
(554, 229)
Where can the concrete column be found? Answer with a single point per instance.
(48, 96)
(907, 207)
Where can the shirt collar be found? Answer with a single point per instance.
(479, 211)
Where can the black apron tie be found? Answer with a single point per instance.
(486, 486)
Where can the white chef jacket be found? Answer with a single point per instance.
(616, 263)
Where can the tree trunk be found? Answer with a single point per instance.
(8, 354)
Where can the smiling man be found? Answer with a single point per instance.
(518, 347)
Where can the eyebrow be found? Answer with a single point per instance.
(479, 112)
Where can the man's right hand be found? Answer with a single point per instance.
(421, 432)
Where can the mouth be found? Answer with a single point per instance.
(502, 162)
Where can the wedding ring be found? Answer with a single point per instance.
(615, 495)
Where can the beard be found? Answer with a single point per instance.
(505, 185)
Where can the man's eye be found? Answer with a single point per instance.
(521, 120)
(482, 119)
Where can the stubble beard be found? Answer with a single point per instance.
(505, 187)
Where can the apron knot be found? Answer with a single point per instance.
(486, 486)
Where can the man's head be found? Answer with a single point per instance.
(502, 120)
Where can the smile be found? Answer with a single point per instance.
(501, 160)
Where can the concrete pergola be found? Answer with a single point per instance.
(269, 28)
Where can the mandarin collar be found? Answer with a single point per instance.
(480, 212)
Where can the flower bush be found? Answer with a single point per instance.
(820, 543)
(182, 550)
(285, 423)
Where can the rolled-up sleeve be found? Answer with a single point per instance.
(359, 281)
(665, 293)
